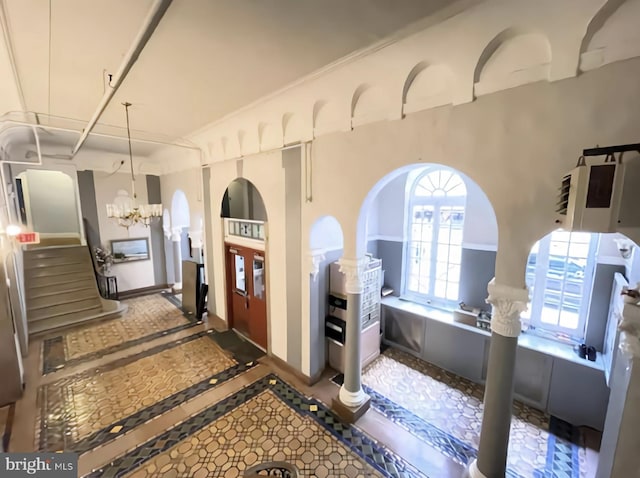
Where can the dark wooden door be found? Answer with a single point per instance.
(238, 293)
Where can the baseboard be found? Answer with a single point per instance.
(297, 373)
(128, 294)
(216, 322)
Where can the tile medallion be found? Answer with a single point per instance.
(265, 421)
(445, 410)
(148, 317)
(82, 411)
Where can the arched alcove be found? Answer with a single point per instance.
(427, 86)
(326, 118)
(368, 104)
(292, 128)
(403, 219)
(513, 58)
(612, 35)
(242, 200)
(180, 213)
(270, 137)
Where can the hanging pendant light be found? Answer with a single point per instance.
(125, 209)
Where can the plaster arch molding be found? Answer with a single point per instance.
(327, 118)
(427, 86)
(369, 104)
(270, 136)
(613, 35)
(293, 128)
(513, 58)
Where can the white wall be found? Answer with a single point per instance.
(52, 202)
(326, 234)
(131, 275)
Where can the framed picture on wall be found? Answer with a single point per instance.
(127, 250)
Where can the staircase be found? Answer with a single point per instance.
(61, 288)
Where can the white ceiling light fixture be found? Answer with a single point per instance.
(125, 209)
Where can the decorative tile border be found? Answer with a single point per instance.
(57, 427)
(562, 454)
(53, 356)
(375, 455)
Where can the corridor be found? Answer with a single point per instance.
(158, 394)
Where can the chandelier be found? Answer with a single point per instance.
(125, 209)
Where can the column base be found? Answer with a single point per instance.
(352, 399)
(472, 471)
(350, 414)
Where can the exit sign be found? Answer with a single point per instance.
(28, 238)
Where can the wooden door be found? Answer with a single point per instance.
(238, 293)
(258, 299)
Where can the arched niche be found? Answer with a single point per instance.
(326, 234)
(326, 118)
(368, 104)
(242, 200)
(613, 35)
(180, 213)
(512, 58)
(292, 128)
(427, 86)
(270, 136)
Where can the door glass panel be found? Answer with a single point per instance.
(240, 274)
(258, 279)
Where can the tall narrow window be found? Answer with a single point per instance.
(560, 279)
(434, 246)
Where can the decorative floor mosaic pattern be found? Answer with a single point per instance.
(148, 317)
(445, 410)
(84, 405)
(266, 421)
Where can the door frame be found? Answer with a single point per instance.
(230, 286)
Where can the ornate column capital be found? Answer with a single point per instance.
(629, 327)
(353, 269)
(314, 259)
(507, 304)
(176, 233)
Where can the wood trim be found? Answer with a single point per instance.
(297, 373)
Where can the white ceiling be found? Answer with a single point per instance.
(207, 58)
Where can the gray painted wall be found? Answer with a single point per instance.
(391, 254)
(318, 293)
(156, 233)
(87, 191)
(476, 270)
(599, 309)
(291, 162)
(208, 234)
(52, 200)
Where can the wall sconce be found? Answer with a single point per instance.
(625, 247)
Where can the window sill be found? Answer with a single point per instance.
(526, 340)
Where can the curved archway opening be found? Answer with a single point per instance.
(436, 233)
(570, 277)
(242, 200)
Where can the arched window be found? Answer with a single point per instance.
(560, 280)
(436, 205)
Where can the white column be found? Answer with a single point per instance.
(507, 304)
(619, 450)
(351, 393)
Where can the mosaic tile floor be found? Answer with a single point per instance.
(266, 421)
(147, 318)
(84, 404)
(446, 410)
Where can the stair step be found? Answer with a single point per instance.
(41, 285)
(59, 298)
(58, 270)
(49, 281)
(52, 252)
(41, 292)
(75, 312)
(46, 325)
(38, 263)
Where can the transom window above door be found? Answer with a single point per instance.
(433, 249)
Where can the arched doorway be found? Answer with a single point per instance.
(180, 222)
(245, 243)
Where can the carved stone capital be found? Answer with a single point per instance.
(507, 304)
(353, 269)
(315, 258)
(629, 327)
